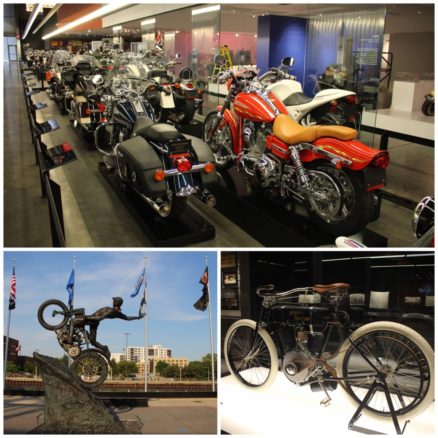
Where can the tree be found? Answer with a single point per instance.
(11, 367)
(171, 371)
(64, 360)
(197, 370)
(126, 367)
(29, 367)
(161, 366)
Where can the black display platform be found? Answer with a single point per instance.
(272, 224)
(189, 228)
(57, 156)
(47, 126)
(38, 106)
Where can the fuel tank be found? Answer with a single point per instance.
(258, 107)
(127, 111)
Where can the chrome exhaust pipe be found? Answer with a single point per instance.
(162, 208)
(208, 198)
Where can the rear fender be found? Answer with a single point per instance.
(358, 153)
(330, 94)
(361, 156)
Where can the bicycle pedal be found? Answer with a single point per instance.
(326, 402)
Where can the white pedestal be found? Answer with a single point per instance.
(409, 96)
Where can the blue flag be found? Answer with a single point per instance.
(140, 281)
(70, 287)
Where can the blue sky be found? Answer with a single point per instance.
(173, 287)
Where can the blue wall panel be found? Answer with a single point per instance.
(278, 37)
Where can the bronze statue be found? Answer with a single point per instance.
(91, 365)
(94, 319)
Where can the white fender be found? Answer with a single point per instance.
(284, 88)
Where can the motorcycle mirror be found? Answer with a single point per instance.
(288, 61)
(219, 60)
(98, 80)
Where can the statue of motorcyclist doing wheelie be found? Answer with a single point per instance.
(93, 322)
(90, 365)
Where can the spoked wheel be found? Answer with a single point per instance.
(339, 202)
(221, 143)
(401, 357)
(91, 368)
(52, 314)
(250, 357)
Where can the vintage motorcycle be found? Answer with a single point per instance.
(385, 366)
(161, 165)
(322, 167)
(331, 106)
(90, 365)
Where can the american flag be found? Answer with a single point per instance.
(12, 295)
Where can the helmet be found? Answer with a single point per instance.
(117, 301)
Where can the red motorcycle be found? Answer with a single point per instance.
(323, 168)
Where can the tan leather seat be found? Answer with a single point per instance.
(323, 288)
(291, 132)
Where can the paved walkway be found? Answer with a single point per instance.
(163, 416)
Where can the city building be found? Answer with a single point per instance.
(155, 353)
(180, 362)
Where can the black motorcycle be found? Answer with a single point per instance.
(161, 165)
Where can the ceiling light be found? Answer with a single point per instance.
(146, 22)
(104, 10)
(117, 28)
(205, 10)
(32, 18)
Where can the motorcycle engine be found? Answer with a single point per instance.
(262, 168)
(297, 365)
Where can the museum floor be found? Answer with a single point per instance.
(95, 217)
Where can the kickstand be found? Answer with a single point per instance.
(379, 382)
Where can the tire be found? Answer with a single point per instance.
(55, 305)
(237, 346)
(188, 112)
(428, 107)
(390, 341)
(90, 367)
(223, 159)
(179, 205)
(160, 114)
(356, 206)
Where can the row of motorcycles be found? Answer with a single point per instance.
(290, 148)
(122, 104)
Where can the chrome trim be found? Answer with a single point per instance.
(173, 172)
(331, 155)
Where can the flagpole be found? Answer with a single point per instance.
(145, 330)
(7, 340)
(211, 329)
(74, 270)
(70, 359)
